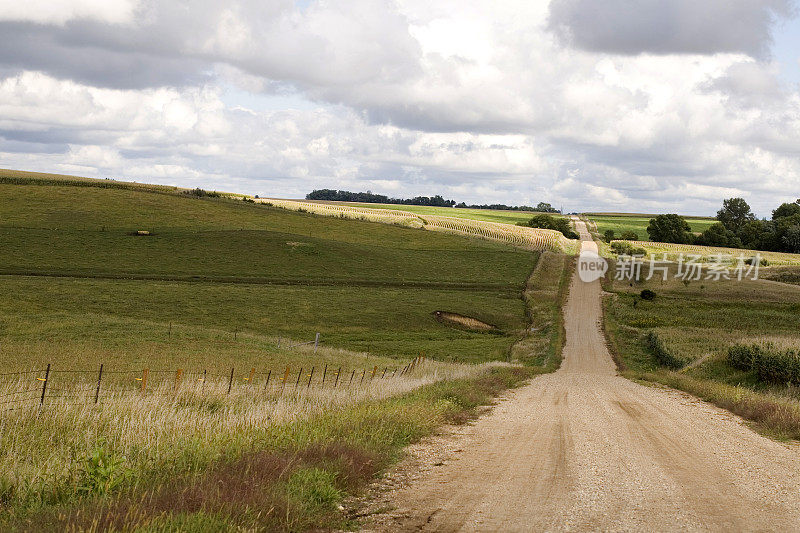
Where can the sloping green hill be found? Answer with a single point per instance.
(77, 280)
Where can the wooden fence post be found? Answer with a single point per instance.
(99, 378)
(374, 371)
(252, 374)
(178, 376)
(44, 384)
(285, 378)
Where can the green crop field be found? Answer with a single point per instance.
(638, 224)
(486, 215)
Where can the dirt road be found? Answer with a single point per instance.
(584, 449)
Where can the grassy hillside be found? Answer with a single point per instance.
(682, 339)
(81, 277)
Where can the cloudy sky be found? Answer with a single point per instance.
(647, 105)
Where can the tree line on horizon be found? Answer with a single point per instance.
(369, 197)
(736, 227)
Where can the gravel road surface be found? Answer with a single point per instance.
(585, 450)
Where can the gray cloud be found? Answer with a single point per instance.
(53, 50)
(668, 26)
(476, 100)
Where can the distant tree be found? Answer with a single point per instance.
(608, 235)
(791, 239)
(322, 194)
(670, 228)
(758, 235)
(735, 213)
(786, 210)
(544, 207)
(436, 201)
(550, 222)
(629, 236)
(718, 235)
(202, 193)
(786, 232)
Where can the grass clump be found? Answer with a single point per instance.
(626, 248)
(102, 472)
(770, 362)
(662, 354)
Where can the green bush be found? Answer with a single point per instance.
(551, 222)
(609, 235)
(102, 471)
(626, 248)
(663, 355)
(202, 193)
(647, 294)
(629, 236)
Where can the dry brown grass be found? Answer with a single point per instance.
(38, 446)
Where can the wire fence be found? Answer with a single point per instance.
(37, 388)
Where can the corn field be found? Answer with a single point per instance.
(533, 238)
(674, 250)
(530, 238)
(386, 216)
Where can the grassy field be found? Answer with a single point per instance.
(225, 265)
(486, 215)
(693, 326)
(638, 224)
(221, 285)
